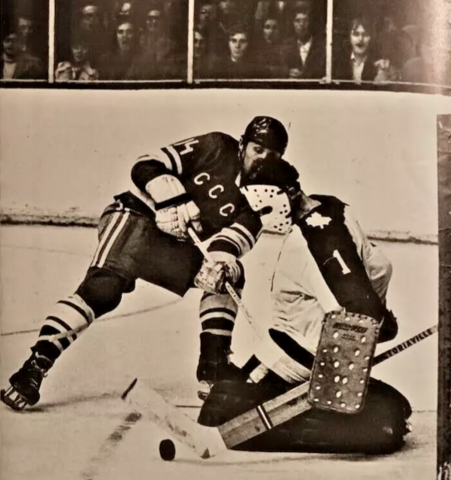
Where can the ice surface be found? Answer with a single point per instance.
(154, 335)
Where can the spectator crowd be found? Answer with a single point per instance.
(128, 40)
(24, 40)
(385, 48)
(372, 41)
(260, 39)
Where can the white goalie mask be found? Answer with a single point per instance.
(273, 205)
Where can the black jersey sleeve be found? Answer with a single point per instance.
(240, 236)
(202, 152)
(184, 157)
(146, 170)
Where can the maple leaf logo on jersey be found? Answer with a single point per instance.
(317, 220)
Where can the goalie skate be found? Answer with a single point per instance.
(215, 372)
(214, 363)
(25, 383)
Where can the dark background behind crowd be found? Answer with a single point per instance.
(391, 40)
(264, 39)
(121, 40)
(24, 39)
(373, 40)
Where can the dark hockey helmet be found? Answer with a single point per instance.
(267, 132)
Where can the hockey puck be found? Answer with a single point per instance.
(167, 450)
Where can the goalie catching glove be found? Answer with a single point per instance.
(222, 267)
(174, 209)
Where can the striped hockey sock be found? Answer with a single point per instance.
(218, 313)
(70, 317)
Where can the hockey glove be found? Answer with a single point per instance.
(175, 212)
(389, 327)
(214, 274)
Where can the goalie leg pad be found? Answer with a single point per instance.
(342, 366)
(230, 398)
(379, 428)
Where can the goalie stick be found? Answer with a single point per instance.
(207, 442)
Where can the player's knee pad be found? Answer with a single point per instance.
(102, 290)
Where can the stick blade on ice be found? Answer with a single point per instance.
(203, 441)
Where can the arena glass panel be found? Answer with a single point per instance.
(24, 46)
(259, 40)
(391, 41)
(122, 41)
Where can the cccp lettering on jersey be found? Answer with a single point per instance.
(199, 179)
(216, 188)
(227, 209)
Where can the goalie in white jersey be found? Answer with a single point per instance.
(326, 264)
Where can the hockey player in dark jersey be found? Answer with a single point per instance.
(326, 265)
(144, 235)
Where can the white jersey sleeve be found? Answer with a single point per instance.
(377, 266)
(300, 295)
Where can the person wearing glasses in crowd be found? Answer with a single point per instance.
(158, 57)
(89, 23)
(155, 41)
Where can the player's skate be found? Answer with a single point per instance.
(25, 383)
(214, 363)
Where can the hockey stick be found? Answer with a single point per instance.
(108, 447)
(166, 415)
(230, 290)
(207, 442)
(404, 345)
